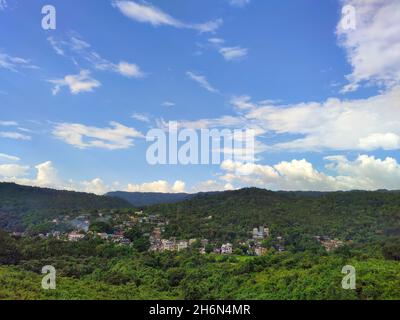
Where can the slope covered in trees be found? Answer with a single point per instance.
(356, 215)
(21, 206)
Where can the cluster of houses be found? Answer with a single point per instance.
(328, 243)
(121, 224)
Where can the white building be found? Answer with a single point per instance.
(182, 245)
(226, 248)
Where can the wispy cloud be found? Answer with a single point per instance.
(14, 135)
(81, 82)
(147, 13)
(8, 157)
(228, 53)
(141, 117)
(14, 63)
(239, 3)
(233, 53)
(8, 123)
(202, 81)
(117, 136)
(77, 48)
(168, 104)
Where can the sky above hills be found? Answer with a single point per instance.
(324, 100)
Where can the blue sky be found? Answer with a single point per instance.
(77, 101)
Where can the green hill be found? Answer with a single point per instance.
(353, 215)
(21, 206)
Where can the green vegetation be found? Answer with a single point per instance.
(96, 270)
(358, 216)
(368, 223)
(33, 208)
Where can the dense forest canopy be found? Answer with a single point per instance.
(21, 206)
(366, 223)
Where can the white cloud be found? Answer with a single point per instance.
(141, 117)
(229, 53)
(216, 41)
(8, 123)
(129, 70)
(81, 82)
(157, 186)
(242, 102)
(117, 136)
(47, 177)
(239, 3)
(14, 63)
(179, 186)
(373, 47)
(233, 53)
(147, 13)
(12, 170)
(386, 141)
(332, 125)
(76, 47)
(168, 104)
(202, 81)
(95, 186)
(8, 157)
(212, 185)
(365, 172)
(14, 135)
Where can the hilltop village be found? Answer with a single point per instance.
(122, 229)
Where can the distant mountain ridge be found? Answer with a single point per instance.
(143, 199)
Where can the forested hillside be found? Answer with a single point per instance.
(21, 206)
(357, 215)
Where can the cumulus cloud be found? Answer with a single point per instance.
(45, 175)
(365, 172)
(157, 186)
(13, 170)
(373, 47)
(147, 13)
(117, 136)
(386, 141)
(202, 81)
(179, 186)
(212, 185)
(335, 124)
(78, 83)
